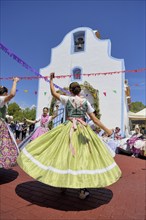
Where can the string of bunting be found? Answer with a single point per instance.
(45, 93)
(27, 91)
(28, 67)
(38, 75)
(77, 75)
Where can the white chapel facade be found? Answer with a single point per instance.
(83, 52)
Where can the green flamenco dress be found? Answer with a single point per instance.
(70, 156)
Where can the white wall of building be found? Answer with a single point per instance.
(95, 58)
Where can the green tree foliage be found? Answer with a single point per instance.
(19, 114)
(13, 108)
(136, 106)
(30, 113)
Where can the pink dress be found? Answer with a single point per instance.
(43, 128)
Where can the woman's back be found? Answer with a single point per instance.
(76, 106)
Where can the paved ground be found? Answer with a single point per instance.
(22, 198)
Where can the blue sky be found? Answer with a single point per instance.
(31, 28)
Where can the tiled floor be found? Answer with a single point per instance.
(22, 198)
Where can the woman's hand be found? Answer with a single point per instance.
(52, 75)
(16, 79)
(52, 88)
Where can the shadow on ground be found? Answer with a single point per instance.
(7, 175)
(46, 196)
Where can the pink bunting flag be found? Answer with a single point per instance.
(104, 93)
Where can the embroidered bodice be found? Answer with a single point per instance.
(76, 111)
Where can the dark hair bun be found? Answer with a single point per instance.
(75, 88)
(3, 89)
